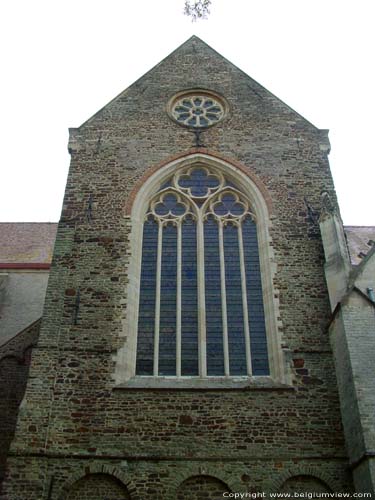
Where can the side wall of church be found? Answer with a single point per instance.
(15, 358)
(72, 417)
(353, 345)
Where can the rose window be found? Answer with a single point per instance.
(197, 111)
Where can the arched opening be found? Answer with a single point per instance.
(200, 300)
(98, 487)
(198, 487)
(305, 483)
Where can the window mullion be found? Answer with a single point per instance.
(223, 301)
(201, 299)
(244, 302)
(157, 300)
(178, 299)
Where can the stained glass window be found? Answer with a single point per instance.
(201, 302)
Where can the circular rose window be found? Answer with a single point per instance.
(198, 110)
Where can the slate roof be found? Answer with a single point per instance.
(27, 242)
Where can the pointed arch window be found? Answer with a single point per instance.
(200, 310)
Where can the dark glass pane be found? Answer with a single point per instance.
(236, 337)
(192, 121)
(214, 109)
(181, 109)
(187, 103)
(168, 289)
(197, 101)
(228, 199)
(198, 182)
(165, 185)
(146, 321)
(220, 209)
(208, 104)
(228, 204)
(237, 209)
(161, 209)
(202, 121)
(258, 340)
(183, 117)
(212, 117)
(189, 300)
(170, 204)
(214, 327)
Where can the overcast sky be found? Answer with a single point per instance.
(62, 61)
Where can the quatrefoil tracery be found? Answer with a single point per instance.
(197, 192)
(199, 182)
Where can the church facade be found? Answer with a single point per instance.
(185, 349)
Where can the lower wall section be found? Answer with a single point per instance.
(364, 475)
(105, 479)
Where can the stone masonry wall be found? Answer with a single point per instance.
(15, 358)
(353, 342)
(72, 413)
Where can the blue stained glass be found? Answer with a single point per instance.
(183, 116)
(199, 182)
(146, 321)
(189, 301)
(237, 209)
(236, 335)
(168, 290)
(181, 109)
(214, 327)
(227, 205)
(220, 209)
(170, 204)
(258, 340)
(214, 109)
(161, 209)
(166, 184)
(228, 199)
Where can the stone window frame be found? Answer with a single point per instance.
(124, 375)
(204, 95)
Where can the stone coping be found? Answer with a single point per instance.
(200, 383)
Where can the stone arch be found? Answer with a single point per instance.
(201, 154)
(232, 483)
(262, 205)
(194, 487)
(113, 475)
(320, 477)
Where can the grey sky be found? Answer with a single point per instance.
(64, 60)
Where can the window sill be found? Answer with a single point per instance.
(209, 383)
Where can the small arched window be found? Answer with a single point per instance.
(200, 302)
